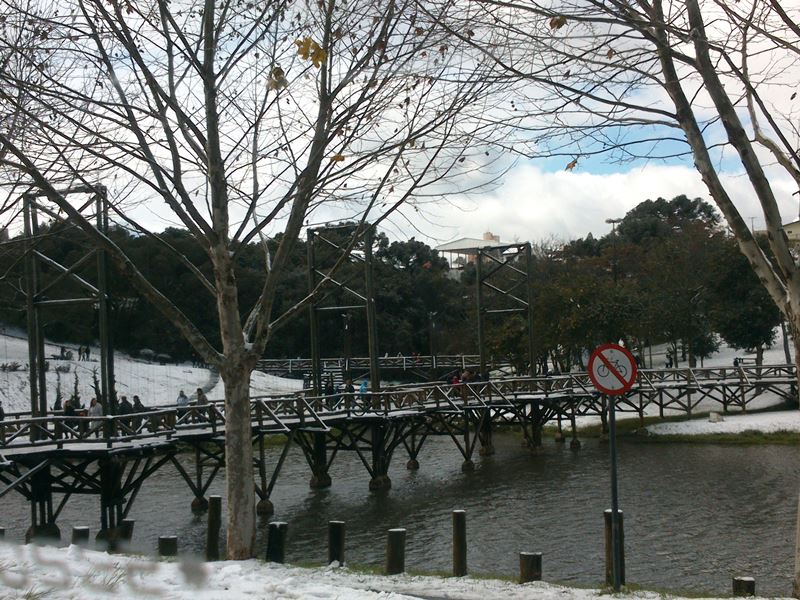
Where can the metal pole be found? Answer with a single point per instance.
(614, 499)
(479, 296)
(529, 275)
(316, 366)
(372, 328)
(106, 354)
(32, 313)
(38, 335)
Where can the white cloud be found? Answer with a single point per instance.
(535, 205)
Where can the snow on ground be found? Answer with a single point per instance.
(73, 573)
(155, 384)
(770, 422)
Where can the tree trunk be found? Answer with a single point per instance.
(759, 355)
(239, 479)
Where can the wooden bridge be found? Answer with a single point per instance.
(56, 456)
(416, 363)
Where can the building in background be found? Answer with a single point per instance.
(461, 252)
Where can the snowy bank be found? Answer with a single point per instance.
(769, 422)
(73, 573)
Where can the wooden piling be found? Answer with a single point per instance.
(396, 552)
(276, 542)
(126, 529)
(530, 566)
(336, 535)
(610, 548)
(167, 545)
(214, 524)
(80, 536)
(744, 586)
(459, 543)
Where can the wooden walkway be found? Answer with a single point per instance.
(422, 363)
(46, 457)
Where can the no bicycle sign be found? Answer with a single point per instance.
(612, 369)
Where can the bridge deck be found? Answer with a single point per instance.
(25, 439)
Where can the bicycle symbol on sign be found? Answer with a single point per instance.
(620, 368)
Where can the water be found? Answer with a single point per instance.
(695, 515)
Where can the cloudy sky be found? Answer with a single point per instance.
(534, 203)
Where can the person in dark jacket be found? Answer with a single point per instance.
(125, 408)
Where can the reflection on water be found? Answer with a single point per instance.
(695, 515)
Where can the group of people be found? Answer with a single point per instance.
(182, 402)
(83, 352)
(466, 376)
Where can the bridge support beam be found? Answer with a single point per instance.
(485, 434)
(319, 462)
(413, 443)
(559, 436)
(111, 497)
(575, 443)
(43, 520)
(381, 457)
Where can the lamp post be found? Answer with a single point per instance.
(613, 223)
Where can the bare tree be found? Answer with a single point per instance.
(242, 119)
(710, 80)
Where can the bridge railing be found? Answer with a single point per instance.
(66, 430)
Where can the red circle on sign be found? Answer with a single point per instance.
(612, 369)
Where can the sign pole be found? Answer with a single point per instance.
(612, 369)
(615, 541)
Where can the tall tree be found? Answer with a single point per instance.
(661, 80)
(241, 120)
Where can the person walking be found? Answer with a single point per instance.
(202, 400)
(95, 410)
(138, 407)
(349, 390)
(125, 408)
(182, 401)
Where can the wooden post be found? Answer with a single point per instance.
(214, 522)
(744, 586)
(80, 536)
(530, 566)
(276, 542)
(2, 532)
(126, 529)
(396, 552)
(610, 548)
(336, 535)
(459, 543)
(167, 545)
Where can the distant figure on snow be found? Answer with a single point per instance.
(2, 412)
